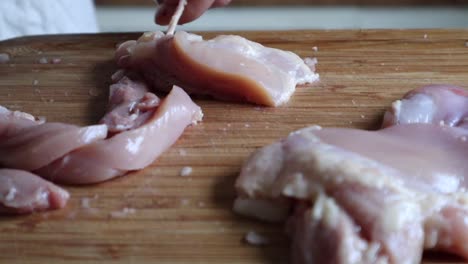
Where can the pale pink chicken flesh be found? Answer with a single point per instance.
(22, 192)
(130, 104)
(436, 104)
(227, 67)
(13, 121)
(128, 150)
(142, 127)
(394, 192)
(36, 146)
(137, 128)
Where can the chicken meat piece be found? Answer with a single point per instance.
(137, 128)
(436, 104)
(28, 144)
(142, 127)
(339, 239)
(22, 192)
(130, 104)
(227, 67)
(374, 196)
(13, 121)
(129, 150)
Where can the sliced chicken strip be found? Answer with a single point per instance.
(130, 105)
(22, 192)
(436, 104)
(129, 150)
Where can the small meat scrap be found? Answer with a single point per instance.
(4, 58)
(45, 60)
(56, 60)
(186, 171)
(255, 239)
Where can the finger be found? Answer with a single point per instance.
(193, 10)
(220, 3)
(217, 3)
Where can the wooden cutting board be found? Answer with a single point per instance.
(176, 219)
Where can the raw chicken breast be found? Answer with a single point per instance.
(23, 192)
(129, 150)
(374, 196)
(436, 104)
(226, 67)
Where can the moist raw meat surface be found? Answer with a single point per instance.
(137, 128)
(22, 192)
(142, 127)
(395, 191)
(129, 150)
(227, 67)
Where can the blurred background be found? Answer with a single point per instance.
(36, 17)
(134, 15)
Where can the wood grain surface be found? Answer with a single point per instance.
(189, 219)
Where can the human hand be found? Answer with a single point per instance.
(193, 10)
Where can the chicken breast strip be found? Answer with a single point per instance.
(22, 192)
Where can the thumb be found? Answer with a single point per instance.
(193, 10)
